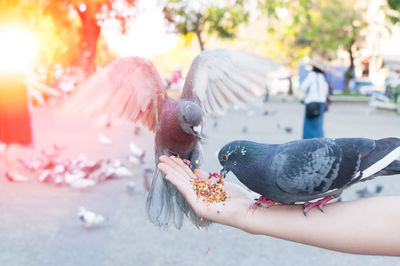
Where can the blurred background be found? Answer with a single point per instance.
(64, 42)
(54, 46)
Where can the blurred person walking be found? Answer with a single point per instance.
(316, 89)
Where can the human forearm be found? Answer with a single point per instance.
(367, 226)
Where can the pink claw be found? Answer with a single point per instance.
(214, 174)
(320, 203)
(264, 202)
(186, 161)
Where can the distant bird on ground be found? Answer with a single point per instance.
(288, 129)
(130, 187)
(89, 218)
(369, 191)
(137, 158)
(306, 170)
(215, 125)
(132, 88)
(104, 140)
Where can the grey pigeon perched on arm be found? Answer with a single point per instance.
(310, 169)
(132, 88)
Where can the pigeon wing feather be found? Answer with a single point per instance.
(128, 87)
(306, 167)
(221, 77)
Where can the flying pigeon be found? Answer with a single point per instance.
(310, 169)
(132, 88)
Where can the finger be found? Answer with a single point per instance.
(174, 164)
(169, 169)
(181, 164)
(181, 184)
(164, 158)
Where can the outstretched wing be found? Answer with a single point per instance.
(221, 77)
(128, 87)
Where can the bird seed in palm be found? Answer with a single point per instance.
(210, 193)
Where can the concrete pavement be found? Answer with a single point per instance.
(39, 224)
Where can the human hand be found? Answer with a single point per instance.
(231, 212)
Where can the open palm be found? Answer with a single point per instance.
(237, 206)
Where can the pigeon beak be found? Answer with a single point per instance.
(197, 132)
(223, 173)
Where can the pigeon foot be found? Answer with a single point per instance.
(264, 202)
(187, 162)
(216, 175)
(320, 203)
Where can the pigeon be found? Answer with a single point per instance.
(288, 129)
(135, 150)
(215, 125)
(310, 169)
(104, 140)
(89, 218)
(130, 187)
(131, 88)
(138, 158)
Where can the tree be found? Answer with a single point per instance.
(75, 25)
(393, 12)
(317, 27)
(198, 17)
(92, 15)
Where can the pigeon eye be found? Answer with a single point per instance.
(184, 118)
(223, 157)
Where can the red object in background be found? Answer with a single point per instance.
(176, 76)
(15, 124)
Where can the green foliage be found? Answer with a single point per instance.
(314, 27)
(394, 4)
(394, 15)
(211, 17)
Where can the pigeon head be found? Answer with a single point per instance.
(230, 155)
(190, 117)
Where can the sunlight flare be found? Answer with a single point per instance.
(18, 48)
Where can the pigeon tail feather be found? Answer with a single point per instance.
(381, 164)
(165, 202)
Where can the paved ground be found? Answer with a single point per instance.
(39, 226)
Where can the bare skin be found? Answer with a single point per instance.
(367, 226)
